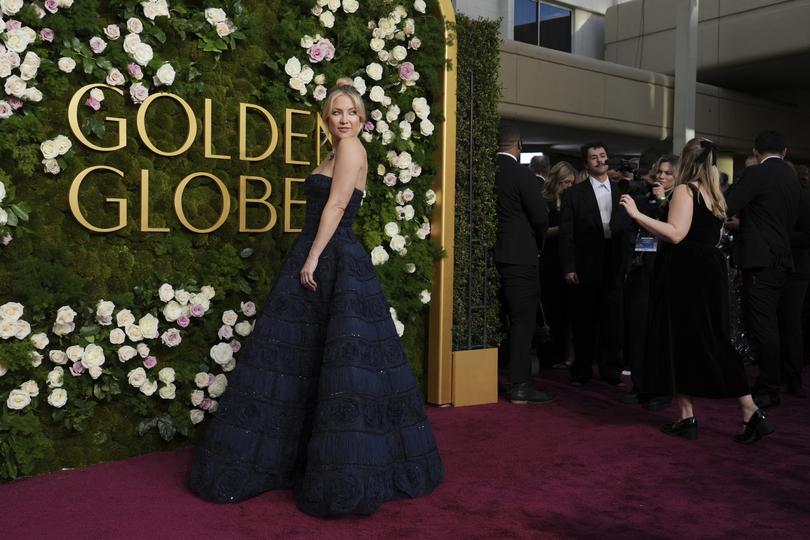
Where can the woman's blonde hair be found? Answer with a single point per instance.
(558, 173)
(699, 163)
(344, 87)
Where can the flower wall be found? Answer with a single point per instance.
(120, 342)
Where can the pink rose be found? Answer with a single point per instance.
(390, 179)
(5, 109)
(93, 103)
(183, 321)
(369, 126)
(52, 5)
(211, 379)
(15, 103)
(235, 345)
(406, 71)
(12, 24)
(197, 310)
(248, 309)
(77, 369)
(415, 169)
(171, 337)
(46, 34)
(7, 239)
(150, 362)
(316, 53)
(225, 332)
(376, 115)
(206, 404)
(328, 48)
(135, 71)
(415, 43)
(138, 92)
(97, 44)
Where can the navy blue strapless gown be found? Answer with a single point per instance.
(322, 399)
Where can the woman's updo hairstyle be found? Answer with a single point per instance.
(344, 87)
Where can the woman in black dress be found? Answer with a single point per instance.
(689, 351)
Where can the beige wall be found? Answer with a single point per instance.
(549, 87)
(641, 33)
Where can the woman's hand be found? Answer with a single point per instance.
(658, 192)
(307, 273)
(629, 205)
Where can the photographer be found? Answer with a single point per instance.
(652, 202)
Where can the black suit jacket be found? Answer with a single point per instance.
(582, 238)
(800, 238)
(767, 199)
(522, 214)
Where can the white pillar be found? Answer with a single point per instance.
(686, 54)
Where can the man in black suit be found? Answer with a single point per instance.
(593, 254)
(540, 166)
(522, 224)
(766, 198)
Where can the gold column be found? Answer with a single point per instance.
(440, 332)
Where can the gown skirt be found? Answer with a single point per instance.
(322, 400)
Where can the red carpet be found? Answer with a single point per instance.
(585, 466)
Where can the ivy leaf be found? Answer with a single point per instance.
(12, 220)
(146, 425)
(19, 212)
(104, 64)
(244, 286)
(159, 35)
(166, 428)
(88, 65)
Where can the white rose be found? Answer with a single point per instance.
(143, 54)
(11, 311)
(360, 85)
(136, 377)
(168, 392)
(126, 353)
(350, 6)
(134, 333)
(138, 92)
(218, 386)
(221, 353)
(320, 79)
(165, 75)
(306, 74)
(166, 375)
(382, 127)
(28, 71)
(95, 372)
(197, 396)
(196, 416)
(410, 117)
(172, 311)
(56, 377)
(424, 296)
(59, 357)
(333, 4)
(366, 136)
(430, 197)
(65, 315)
(392, 113)
(377, 94)
(391, 229)
(30, 387)
(51, 166)
(63, 144)
(112, 31)
(215, 15)
(3, 370)
(201, 379)
(400, 328)
(166, 292)
(420, 6)
(18, 400)
(17, 40)
(409, 27)
(3, 221)
(404, 160)
(225, 28)
(2, 196)
(11, 7)
(74, 353)
(149, 326)
(410, 268)
(124, 318)
(327, 19)
(420, 107)
(208, 291)
(134, 25)
(225, 332)
(387, 137)
(148, 388)
(155, 8)
(143, 350)
(93, 356)
(131, 42)
(97, 45)
(40, 340)
(117, 336)
(374, 71)
(182, 296)
(104, 311)
(379, 256)
(15, 86)
(292, 67)
(377, 44)
(115, 77)
(21, 329)
(426, 127)
(244, 328)
(397, 242)
(57, 398)
(386, 27)
(399, 53)
(408, 212)
(229, 317)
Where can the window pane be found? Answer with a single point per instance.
(526, 21)
(555, 27)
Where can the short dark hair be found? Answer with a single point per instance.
(583, 151)
(770, 142)
(508, 135)
(540, 164)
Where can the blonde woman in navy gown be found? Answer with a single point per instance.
(689, 351)
(323, 400)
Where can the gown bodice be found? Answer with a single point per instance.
(317, 187)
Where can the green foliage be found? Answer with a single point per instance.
(54, 261)
(475, 276)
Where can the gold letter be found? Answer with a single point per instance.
(288, 136)
(289, 201)
(178, 202)
(209, 152)
(243, 201)
(73, 120)
(73, 197)
(145, 205)
(320, 127)
(243, 107)
(141, 123)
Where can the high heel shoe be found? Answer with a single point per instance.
(756, 428)
(686, 428)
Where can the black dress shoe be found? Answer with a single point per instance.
(756, 428)
(763, 399)
(658, 403)
(686, 428)
(523, 393)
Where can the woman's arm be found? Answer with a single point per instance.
(678, 223)
(349, 161)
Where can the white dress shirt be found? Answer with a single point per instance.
(508, 154)
(605, 202)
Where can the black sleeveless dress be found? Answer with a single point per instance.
(689, 349)
(322, 399)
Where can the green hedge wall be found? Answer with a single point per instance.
(475, 278)
(50, 260)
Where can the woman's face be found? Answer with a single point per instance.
(665, 175)
(344, 120)
(566, 182)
